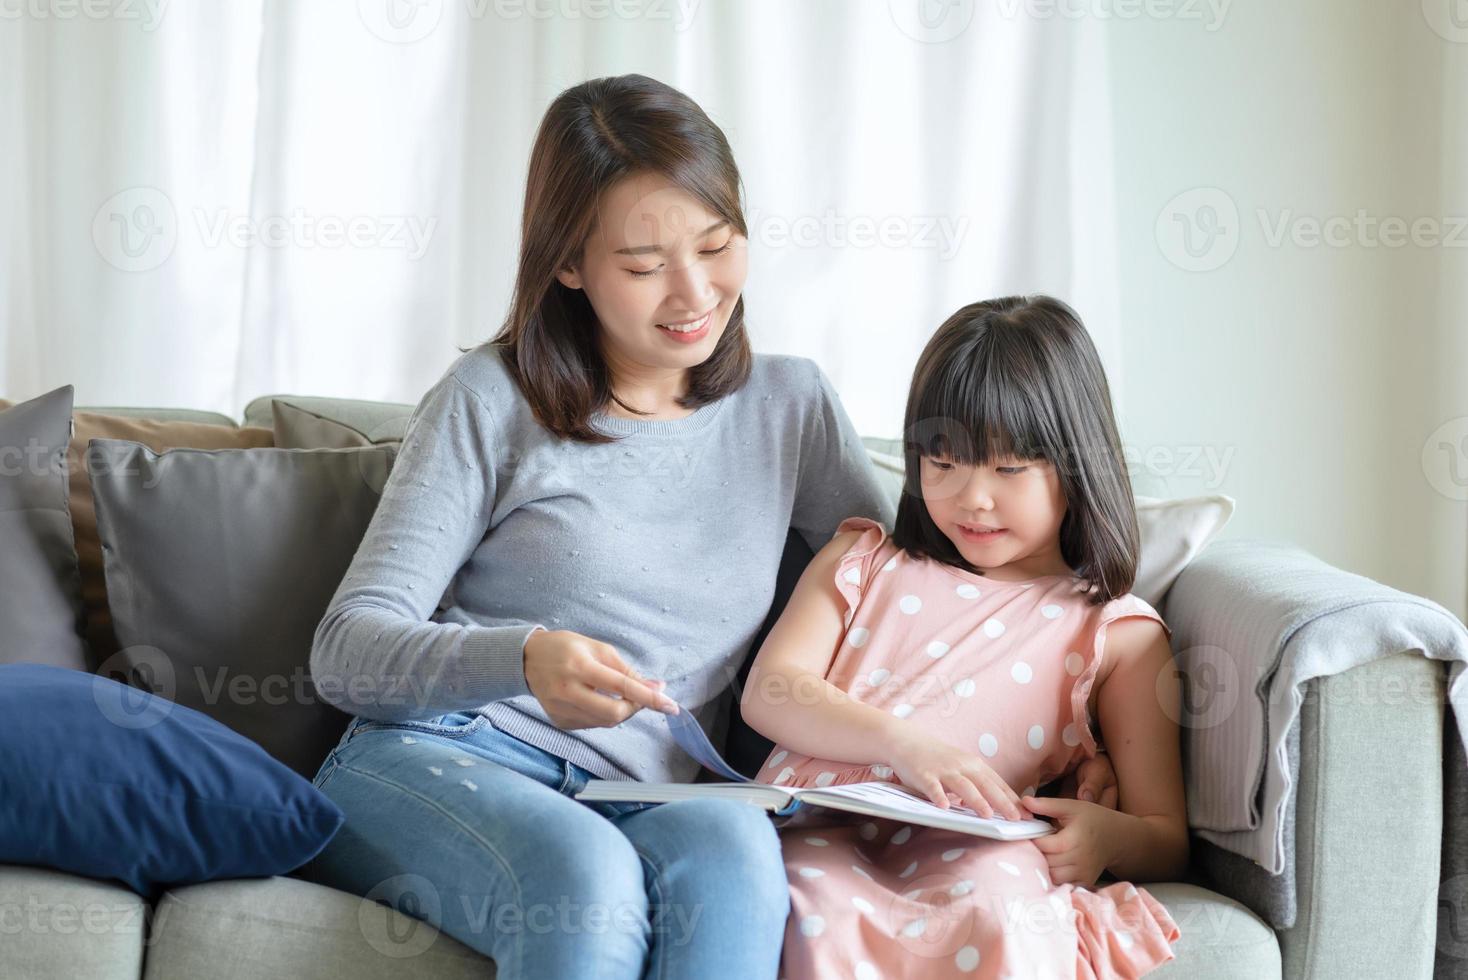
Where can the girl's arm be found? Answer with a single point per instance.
(787, 698)
(1138, 700)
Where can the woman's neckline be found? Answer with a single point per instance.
(699, 418)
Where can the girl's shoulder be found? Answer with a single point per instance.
(1124, 627)
(858, 538)
(859, 549)
(1129, 607)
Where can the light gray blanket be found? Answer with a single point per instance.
(1253, 623)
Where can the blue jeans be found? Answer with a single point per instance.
(455, 823)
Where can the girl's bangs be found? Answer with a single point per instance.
(974, 416)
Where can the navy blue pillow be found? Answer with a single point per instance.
(107, 781)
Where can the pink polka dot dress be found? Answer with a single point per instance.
(1007, 669)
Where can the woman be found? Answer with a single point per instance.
(600, 496)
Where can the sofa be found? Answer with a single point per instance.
(1358, 758)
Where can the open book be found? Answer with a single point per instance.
(873, 799)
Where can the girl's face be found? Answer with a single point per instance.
(658, 259)
(1021, 497)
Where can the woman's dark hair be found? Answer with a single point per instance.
(1020, 377)
(593, 135)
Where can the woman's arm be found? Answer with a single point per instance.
(787, 698)
(1138, 700)
(836, 479)
(375, 652)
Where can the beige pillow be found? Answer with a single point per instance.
(1173, 532)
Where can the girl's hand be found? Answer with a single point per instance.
(568, 672)
(1093, 781)
(1079, 851)
(934, 767)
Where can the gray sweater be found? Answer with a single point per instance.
(664, 544)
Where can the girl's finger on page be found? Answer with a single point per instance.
(972, 796)
(997, 790)
(937, 795)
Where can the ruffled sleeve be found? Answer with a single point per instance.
(1090, 655)
(857, 566)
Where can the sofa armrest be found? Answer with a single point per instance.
(1368, 822)
(1363, 822)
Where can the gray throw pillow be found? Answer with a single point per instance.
(220, 565)
(40, 588)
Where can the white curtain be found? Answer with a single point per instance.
(212, 201)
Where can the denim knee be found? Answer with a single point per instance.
(584, 858)
(741, 840)
(757, 846)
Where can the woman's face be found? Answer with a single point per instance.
(656, 264)
(1023, 497)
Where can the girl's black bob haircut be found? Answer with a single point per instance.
(1019, 378)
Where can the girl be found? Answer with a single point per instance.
(965, 656)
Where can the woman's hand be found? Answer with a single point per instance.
(568, 672)
(1093, 781)
(1080, 850)
(934, 767)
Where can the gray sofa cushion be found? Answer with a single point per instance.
(268, 928)
(40, 588)
(284, 927)
(1220, 939)
(59, 925)
(220, 564)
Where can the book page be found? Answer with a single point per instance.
(895, 798)
(690, 736)
(632, 790)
